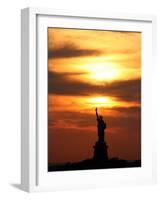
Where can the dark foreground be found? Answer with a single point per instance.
(93, 164)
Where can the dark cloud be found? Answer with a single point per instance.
(70, 50)
(129, 110)
(78, 119)
(127, 90)
(128, 118)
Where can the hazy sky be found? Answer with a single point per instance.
(88, 69)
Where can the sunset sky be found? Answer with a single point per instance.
(89, 69)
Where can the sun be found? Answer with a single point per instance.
(102, 76)
(102, 72)
(99, 101)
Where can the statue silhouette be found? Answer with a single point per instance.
(101, 125)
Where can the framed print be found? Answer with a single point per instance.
(86, 99)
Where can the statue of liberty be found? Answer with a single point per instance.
(101, 125)
(100, 148)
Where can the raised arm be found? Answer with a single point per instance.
(96, 114)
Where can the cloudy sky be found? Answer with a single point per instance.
(89, 69)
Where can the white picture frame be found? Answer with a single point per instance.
(34, 176)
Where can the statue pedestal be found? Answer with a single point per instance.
(100, 151)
